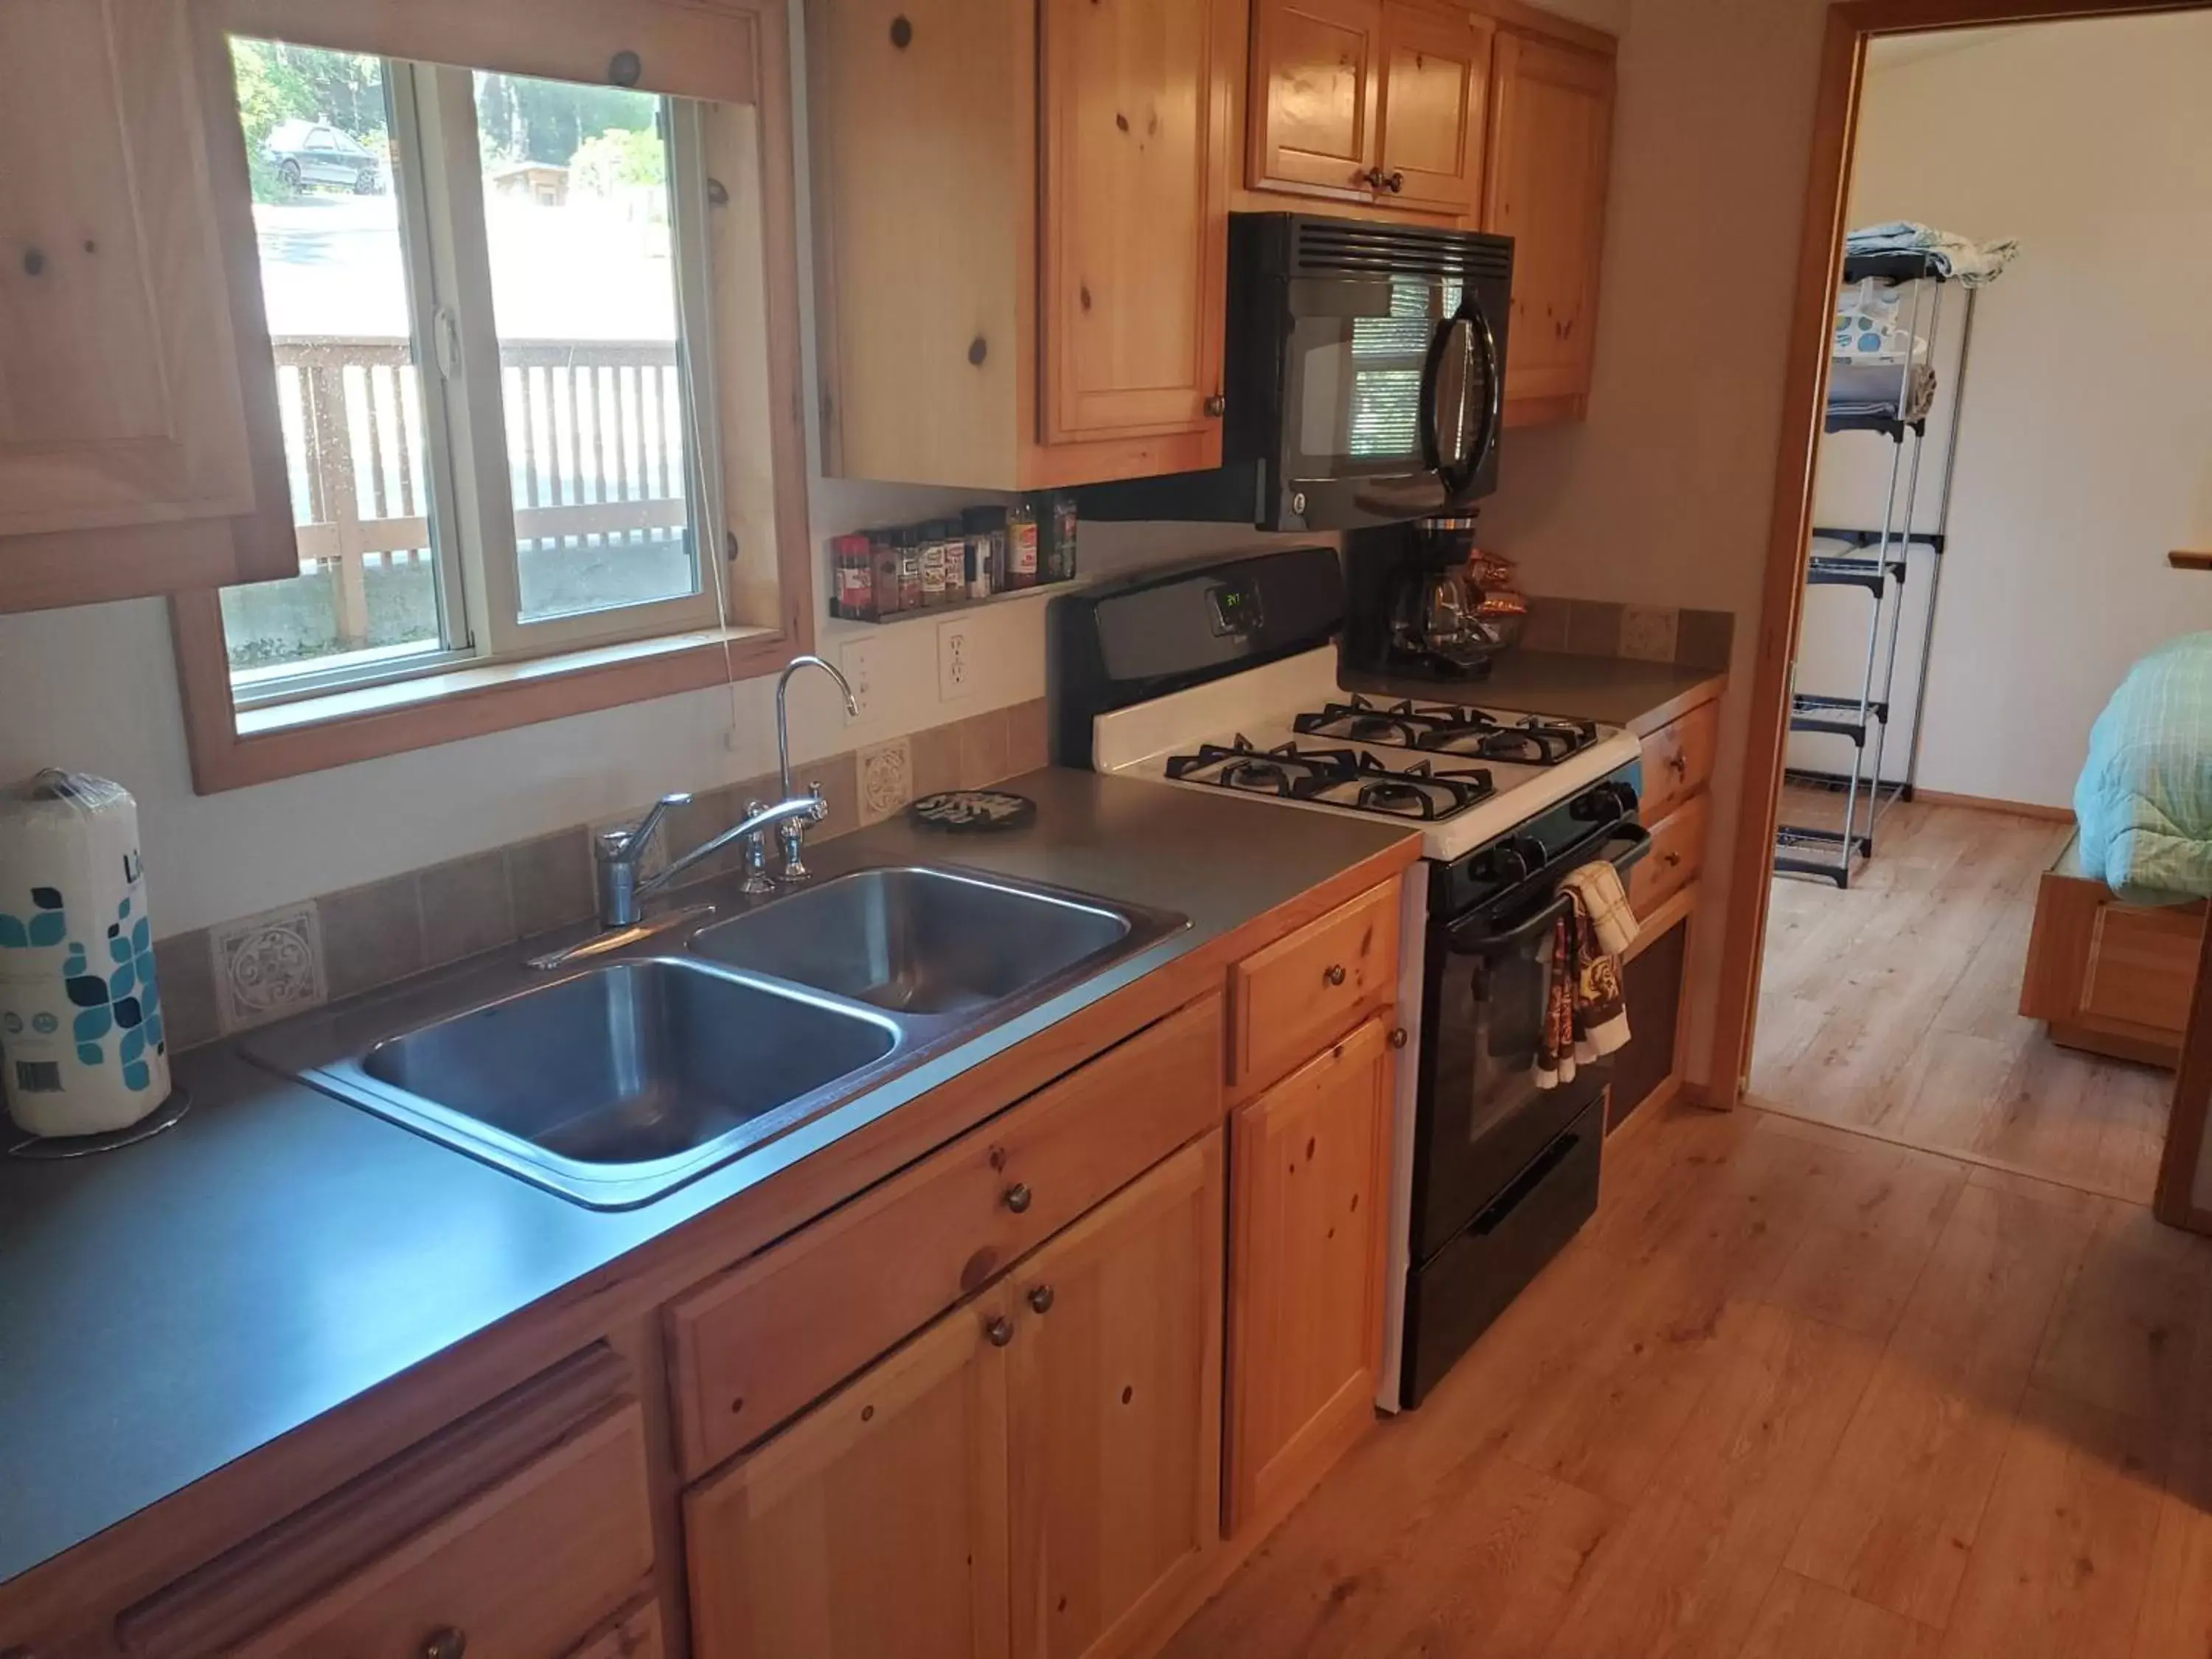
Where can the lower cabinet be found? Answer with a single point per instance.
(1309, 1203)
(1036, 1474)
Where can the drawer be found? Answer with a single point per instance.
(1678, 852)
(1678, 760)
(636, 1635)
(2141, 965)
(751, 1347)
(530, 1565)
(1302, 992)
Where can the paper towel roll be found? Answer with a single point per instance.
(81, 1050)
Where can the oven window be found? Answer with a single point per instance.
(1360, 375)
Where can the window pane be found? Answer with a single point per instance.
(334, 277)
(578, 221)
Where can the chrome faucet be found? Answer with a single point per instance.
(793, 831)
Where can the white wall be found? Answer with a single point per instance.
(2085, 448)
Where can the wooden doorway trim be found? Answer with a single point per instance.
(1851, 24)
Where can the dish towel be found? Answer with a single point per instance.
(1971, 263)
(1605, 897)
(1586, 1016)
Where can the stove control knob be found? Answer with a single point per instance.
(1604, 801)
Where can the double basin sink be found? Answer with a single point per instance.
(619, 1079)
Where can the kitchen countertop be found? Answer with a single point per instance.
(167, 1309)
(1641, 696)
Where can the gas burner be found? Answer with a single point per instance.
(1418, 791)
(1440, 728)
(1285, 770)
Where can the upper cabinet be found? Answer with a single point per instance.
(1431, 112)
(121, 403)
(1021, 233)
(1368, 100)
(1551, 138)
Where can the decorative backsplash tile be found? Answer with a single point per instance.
(245, 973)
(886, 780)
(267, 966)
(1647, 632)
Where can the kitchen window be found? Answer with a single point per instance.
(487, 299)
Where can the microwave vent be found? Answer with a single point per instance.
(1325, 245)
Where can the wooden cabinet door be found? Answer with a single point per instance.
(1116, 1396)
(1316, 91)
(1551, 130)
(1435, 95)
(119, 386)
(877, 1523)
(1136, 101)
(1309, 1175)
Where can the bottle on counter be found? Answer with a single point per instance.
(853, 570)
(932, 564)
(1021, 545)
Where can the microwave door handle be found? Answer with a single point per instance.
(1431, 365)
(1494, 403)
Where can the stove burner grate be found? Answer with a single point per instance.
(1441, 728)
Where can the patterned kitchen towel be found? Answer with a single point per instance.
(1555, 1054)
(1605, 899)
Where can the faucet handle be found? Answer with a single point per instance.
(821, 803)
(634, 841)
(757, 879)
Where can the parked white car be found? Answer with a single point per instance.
(316, 153)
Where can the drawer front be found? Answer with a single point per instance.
(1678, 760)
(531, 1565)
(1678, 852)
(1301, 992)
(636, 1635)
(2141, 966)
(753, 1346)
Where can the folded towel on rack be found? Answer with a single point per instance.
(1971, 263)
(1604, 900)
(1859, 398)
(1586, 1013)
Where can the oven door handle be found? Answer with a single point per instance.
(1471, 937)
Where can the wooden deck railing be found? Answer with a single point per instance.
(594, 439)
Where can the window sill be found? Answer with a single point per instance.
(235, 749)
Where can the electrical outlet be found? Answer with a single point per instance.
(858, 660)
(956, 667)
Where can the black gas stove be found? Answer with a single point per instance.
(1443, 728)
(1356, 778)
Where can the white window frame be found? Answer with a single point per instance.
(437, 179)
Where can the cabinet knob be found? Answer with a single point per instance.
(1396, 182)
(1397, 1037)
(447, 1643)
(624, 69)
(1678, 764)
(999, 1331)
(1017, 1197)
(1333, 973)
(1672, 861)
(1040, 1298)
(1216, 406)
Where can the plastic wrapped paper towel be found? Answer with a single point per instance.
(81, 1044)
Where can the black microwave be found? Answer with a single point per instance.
(1365, 380)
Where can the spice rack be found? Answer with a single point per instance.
(943, 565)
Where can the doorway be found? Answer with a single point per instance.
(1917, 754)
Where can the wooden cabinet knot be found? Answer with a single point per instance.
(978, 349)
(902, 33)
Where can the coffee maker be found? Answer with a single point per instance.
(1414, 604)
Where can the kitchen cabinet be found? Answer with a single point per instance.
(1008, 302)
(1368, 100)
(1034, 1474)
(124, 449)
(1313, 984)
(875, 1524)
(1550, 137)
(1310, 1198)
(1117, 1407)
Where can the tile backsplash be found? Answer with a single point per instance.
(1648, 633)
(238, 975)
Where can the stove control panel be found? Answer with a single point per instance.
(1233, 608)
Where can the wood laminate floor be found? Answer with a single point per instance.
(1794, 1394)
(1892, 1007)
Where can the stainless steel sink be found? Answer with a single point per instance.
(612, 1085)
(918, 941)
(618, 1081)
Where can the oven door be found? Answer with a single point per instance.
(1393, 395)
(1482, 1118)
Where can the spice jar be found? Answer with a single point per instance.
(1021, 545)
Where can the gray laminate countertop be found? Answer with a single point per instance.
(1640, 696)
(170, 1307)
